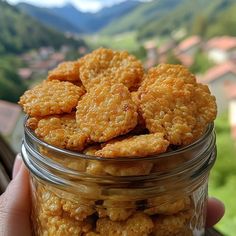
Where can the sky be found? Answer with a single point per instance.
(83, 5)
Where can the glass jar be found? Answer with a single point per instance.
(79, 194)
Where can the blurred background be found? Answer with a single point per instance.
(35, 36)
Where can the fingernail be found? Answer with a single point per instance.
(17, 166)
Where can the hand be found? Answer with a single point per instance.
(15, 205)
(215, 211)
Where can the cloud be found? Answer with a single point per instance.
(84, 5)
(88, 5)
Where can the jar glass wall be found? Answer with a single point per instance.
(79, 194)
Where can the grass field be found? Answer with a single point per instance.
(126, 41)
(223, 175)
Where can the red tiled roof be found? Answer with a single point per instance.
(233, 132)
(186, 60)
(9, 113)
(218, 71)
(188, 43)
(58, 57)
(224, 43)
(230, 90)
(25, 73)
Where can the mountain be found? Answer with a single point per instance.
(19, 32)
(194, 16)
(69, 18)
(148, 19)
(72, 15)
(49, 18)
(108, 15)
(162, 17)
(139, 17)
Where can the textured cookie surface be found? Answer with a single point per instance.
(135, 146)
(51, 97)
(172, 102)
(66, 71)
(137, 225)
(177, 224)
(106, 112)
(61, 131)
(108, 65)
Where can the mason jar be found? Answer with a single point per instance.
(79, 194)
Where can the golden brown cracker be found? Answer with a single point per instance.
(51, 97)
(109, 65)
(135, 146)
(62, 131)
(176, 104)
(106, 112)
(66, 71)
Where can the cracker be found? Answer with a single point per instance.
(177, 224)
(62, 131)
(137, 225)
(172, 102)
(108, 65)
(135, 146)
(167, 206)
(106, 112)
(51, 97)
(66, 71)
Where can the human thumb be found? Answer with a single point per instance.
(15, 204)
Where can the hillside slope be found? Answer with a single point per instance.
(19, 32)
(161, 17)
(139, 17)
(49, 18)
(193, 16)
(69, 18)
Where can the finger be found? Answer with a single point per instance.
(215, 211)
(15, 206)
(17, 165)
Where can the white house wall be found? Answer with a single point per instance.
(218, 56)
(232, 113)
(217, 88)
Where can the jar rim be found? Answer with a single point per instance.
(75, 154)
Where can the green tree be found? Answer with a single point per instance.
(225, 23)
(200, 25)
(201, 63)
(223, 175)
(172, 59)
(11, 86)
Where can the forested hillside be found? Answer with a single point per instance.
(77, 21)
(196, 17)
(165, 16)
(11, 85)
(49, 18)
(139, 17)
(148, 19)
(20, 32)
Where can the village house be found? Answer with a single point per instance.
(165, 50)
(230, 91)
(25, 73)
(189, 46)
(152, 54)
(221, 49)
(217, 78)
(187, 49)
